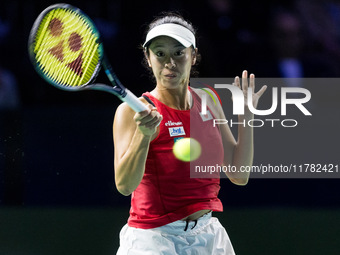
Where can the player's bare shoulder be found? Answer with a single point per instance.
(198, 91)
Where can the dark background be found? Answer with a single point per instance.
(57, 193)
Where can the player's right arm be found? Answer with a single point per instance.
(132, 134)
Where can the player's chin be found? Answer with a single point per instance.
(172, 84)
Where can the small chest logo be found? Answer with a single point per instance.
(176, 131)
(171, 123)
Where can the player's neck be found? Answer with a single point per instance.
(179, 98)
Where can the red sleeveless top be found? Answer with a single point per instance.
(167, 193)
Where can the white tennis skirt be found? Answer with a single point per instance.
(205, 237)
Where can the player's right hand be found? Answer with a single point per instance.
(148, 121)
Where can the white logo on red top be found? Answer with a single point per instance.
(170, 123)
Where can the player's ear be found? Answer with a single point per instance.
(146, 55)
(194, 56)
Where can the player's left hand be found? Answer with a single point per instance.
(244, 88)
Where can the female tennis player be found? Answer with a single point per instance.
(171, 213)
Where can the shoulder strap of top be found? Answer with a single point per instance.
(148, 100)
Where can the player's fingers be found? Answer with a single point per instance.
(147, 114)
(154, 122)
(150, 119)
(140, 115)
(245, 80)
(153, 118)
(237, 82)
(252, 82)
(261, 91)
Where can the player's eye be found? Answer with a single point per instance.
(179, 53)
(160, 54)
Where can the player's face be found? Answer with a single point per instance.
(170, 62)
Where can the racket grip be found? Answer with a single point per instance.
(133, 101)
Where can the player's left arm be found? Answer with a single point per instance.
(238, 152)
(243, 151)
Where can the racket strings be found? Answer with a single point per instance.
(66, 48)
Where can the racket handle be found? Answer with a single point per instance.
(133, 101)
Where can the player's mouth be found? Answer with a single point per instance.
(170, 75)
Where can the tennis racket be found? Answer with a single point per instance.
(66, 50)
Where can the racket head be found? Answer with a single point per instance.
(65, 47)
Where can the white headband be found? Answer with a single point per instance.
(175, 31)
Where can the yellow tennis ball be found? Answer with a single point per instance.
(187, 149)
